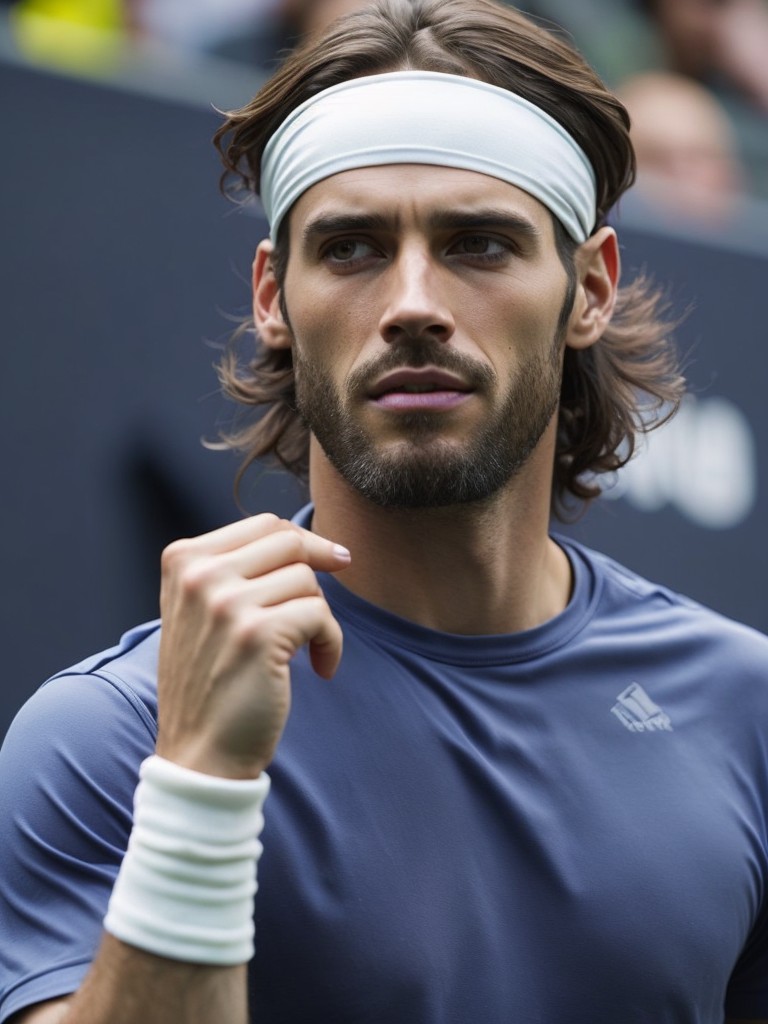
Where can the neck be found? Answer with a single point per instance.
(473, 569)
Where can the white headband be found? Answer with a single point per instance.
(425, 117)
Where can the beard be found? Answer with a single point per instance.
(424, 469)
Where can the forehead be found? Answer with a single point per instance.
(406, 193)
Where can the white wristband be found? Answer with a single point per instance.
(186, 885)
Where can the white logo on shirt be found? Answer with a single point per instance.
(638, 713)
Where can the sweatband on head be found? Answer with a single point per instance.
(186, 885)
(426, 117)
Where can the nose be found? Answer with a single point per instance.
(417, 305)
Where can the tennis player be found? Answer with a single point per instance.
(517, 782)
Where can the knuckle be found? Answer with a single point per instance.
(221, 604)
(248, 633)
(295, 548)
(317, 606)
(175, 554)
(195, 577)
(306, 579)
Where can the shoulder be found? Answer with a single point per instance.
(105, 703)
(629, 605)
(69, 766)
(125, 674)
(74, 749)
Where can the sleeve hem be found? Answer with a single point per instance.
(52, 984)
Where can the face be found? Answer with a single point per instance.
(685, 154)
(424, 305)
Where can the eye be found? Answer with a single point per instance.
(486, 247)
(348, 250)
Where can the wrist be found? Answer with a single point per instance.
(186, 886)
(213, 763)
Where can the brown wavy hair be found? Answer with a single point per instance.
(626, 383)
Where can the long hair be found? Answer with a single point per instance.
(611, 390)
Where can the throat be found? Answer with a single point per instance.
(453, 572)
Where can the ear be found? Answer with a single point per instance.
(597, 269)
(267, 315)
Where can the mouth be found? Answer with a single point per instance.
(423, 389)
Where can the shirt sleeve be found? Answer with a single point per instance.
(68, 770)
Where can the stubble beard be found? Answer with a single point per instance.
(426, 470)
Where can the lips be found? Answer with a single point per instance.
(422, 381)
(424, 390)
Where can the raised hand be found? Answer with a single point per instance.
(236, 605)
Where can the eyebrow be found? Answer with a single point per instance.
(448, 219)
(341, 223)
(486, 218)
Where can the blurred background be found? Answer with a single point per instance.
(123, 271)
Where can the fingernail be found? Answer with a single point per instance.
(341, 552)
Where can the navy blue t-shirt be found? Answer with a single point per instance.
(565, 825)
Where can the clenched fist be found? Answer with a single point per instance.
(236, 605)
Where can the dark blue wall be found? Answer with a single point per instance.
(120, 266)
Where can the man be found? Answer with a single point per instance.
(535, 788)
(687, 160)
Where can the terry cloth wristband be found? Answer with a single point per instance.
(186, 885)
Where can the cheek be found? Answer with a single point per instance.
(332, 331)
(324, 337)
(519, 321)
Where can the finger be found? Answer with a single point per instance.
(325, 657)
(308, 620)
(234, 535)
(284, 547)
(287, 583)
(233, 538)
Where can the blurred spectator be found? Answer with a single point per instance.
(722, 41)
(79, 35)
(97, 35)
(686, 154)
(205, 25)
(616, 36)
(257, 32)
(724, 44)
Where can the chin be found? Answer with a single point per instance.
(428, 476)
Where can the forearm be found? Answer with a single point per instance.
(179, 927)
(130, 986)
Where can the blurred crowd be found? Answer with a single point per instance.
(694, 77)
(693, 73)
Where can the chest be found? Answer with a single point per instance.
(436, 852)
